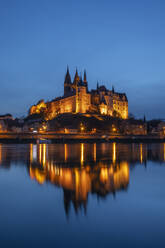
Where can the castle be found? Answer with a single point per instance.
(78, 99)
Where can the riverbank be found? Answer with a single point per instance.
(70, 138)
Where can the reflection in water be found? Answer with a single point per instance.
(81, 169)
(44, 155)
(82, 153)
(66, 152)
(77, 182)
(114, 152)
(141, 153)
(94, 152)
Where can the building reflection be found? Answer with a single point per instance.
(78, 181)
(81, 169)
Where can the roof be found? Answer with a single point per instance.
(121, 96)
(103, 101)
(102, 88)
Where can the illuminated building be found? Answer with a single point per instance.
(3, 126)
(78, 99)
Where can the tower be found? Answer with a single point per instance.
(85, 77)
(97, 85)
(82, 98)
(76, 78)
(67, 83)
(85, 80)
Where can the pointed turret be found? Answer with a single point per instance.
(67, 69)
(76, 77)
(85, 80)
(67, 77)
(85, 77)
(67, 83)
(81, 81)
(76, 74)
(113, 89)
(144, 118)
(97, 85)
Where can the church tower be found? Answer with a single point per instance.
(67, 83)
(76, 78)
(82, 98)
(85, 80)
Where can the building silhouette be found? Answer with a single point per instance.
(78, 99)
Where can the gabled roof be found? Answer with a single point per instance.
(102, 88)
(103, 101)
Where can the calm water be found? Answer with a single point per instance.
(82, 195)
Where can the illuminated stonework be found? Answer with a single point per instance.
(78, 99)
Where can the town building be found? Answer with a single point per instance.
(6, 117)
(78, 99)
(134, 127)
(3, 127)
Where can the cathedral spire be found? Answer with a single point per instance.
(76, 72)
(67, 72)
(67, 77)
(76, 77)
(97, 85)
(81, 81)
(85, 77)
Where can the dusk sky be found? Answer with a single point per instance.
(118, 42)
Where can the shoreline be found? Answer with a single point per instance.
(77, 138)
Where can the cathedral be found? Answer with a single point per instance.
(78, 98)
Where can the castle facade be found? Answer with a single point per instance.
(78, 99)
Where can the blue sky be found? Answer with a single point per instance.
(119, 42)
